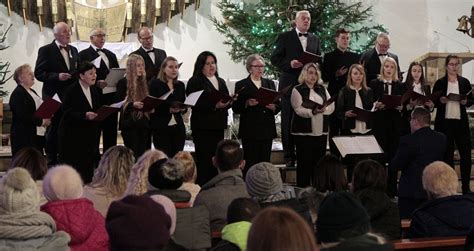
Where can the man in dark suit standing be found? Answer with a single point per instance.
(334, 69)
(373, 58)
(289, 47)
(108, 60)
(153, 56)
(56, 67)
(415, 151)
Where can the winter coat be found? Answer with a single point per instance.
(57, 241)
(81, 221)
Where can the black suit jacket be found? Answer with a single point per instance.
(161, 117)
(333, 61)
(442, 85)
(24, 123)
(75, 132)
(414, 152)
(204, 114)
(256, 122)
(371, 62)
(152, 69)
(50, 63)
(288, 47)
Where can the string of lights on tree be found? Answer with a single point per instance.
(253, 28)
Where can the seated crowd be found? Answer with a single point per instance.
(153, 204)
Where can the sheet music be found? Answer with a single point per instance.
(357, 145)
(56, 97)
(192, 98)
(112, 79)
(118, 104)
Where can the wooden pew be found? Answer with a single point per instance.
(431, 243)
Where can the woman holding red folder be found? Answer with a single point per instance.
(166, 122)
(452, 119)
(354, 95)
(134, 123)
(257, 122)
(387, 121)
(415, 82)
(208, 118)
(26, 130)
(309, 126)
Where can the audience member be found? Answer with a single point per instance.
(35, 163)
(446, 213)
(228, 185)
(280, 229)
(165, 176)
(368, 184)
(138, 223)
(328, 175)
(190, 174)
(138, 181)
(415, 151)
(343, 224)
(110, 178)
(22, 225)
(240, 213)
(62, 186)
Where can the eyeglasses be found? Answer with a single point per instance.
(384, 46)
(258, 66)
(99, 35)
(453, 64)
(146, 38)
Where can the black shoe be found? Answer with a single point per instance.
(290, 163)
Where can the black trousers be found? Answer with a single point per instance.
(170, 140)
(287, 139)
(52, 140)
(256, 151)
(458, 133)
(108, 127)
(205, 143)
(138, 140)
(309, 150)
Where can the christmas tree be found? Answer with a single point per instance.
(253, 28)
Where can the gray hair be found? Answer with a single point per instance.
(250, 59)
(301, 12)
(383, 35)
(440, 180)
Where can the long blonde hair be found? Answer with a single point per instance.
(137, 87)
(360, 69)
(138, 181)
(395, 73)
(114, 170)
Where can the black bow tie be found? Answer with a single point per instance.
(148, 51)
(383, 54)
(102, 50)
(64, 48)
(303, 34)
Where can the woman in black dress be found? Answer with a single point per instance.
(166, 122)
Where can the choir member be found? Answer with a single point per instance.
(153, 57)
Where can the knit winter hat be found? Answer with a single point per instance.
(137, 222)
(18, 192)
(263, 179)
(341, 214)
(62, 182)
(166, 174)
(169, 207)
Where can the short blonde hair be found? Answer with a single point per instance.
(138, 181)
(304, 71)
(190, 172)
(440, 180)
(19, 71)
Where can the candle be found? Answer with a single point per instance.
(158, 4)
(24, 4)
(39, 3)
(69, 10)
(143, 7)
(54, 7)
(173, 1)
(129, 11)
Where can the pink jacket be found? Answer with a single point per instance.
(81, 221)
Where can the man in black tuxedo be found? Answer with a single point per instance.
(108, 60)
(334, 69)
(372, 59)
(153, 57)
(56, 67)
(289, 47)
(414, 152)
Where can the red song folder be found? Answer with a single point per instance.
(308, 57)
(307, 103)
(48, 108)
